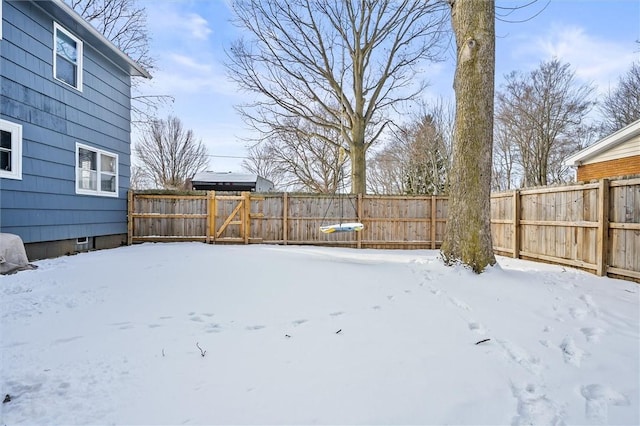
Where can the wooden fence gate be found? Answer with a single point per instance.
(229, 218)
(182, 218)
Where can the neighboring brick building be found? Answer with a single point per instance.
(615, 155)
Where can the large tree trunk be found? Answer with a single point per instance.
(358, 165)
(468, 236)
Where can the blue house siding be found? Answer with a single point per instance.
(43, 206)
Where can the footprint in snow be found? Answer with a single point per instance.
(299, 322)
(578, 313)
(597, 400)
(255, 327)
(567, 286)
(592, 334)
(435, 291)
(459, 303)
(336, 314)
(212, 328)
(591, 305)
(521, 357)
(572, 354)
(477, 327)
(534, 408)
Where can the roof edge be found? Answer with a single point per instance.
(93, 36)
(603, 144)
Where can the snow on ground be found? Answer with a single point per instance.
(307, 335)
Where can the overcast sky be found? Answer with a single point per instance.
(189, 39)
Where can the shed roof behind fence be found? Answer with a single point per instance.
(213, 177)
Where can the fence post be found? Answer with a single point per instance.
(130, 217)
(212, 216)
(246, 219)
(603, 228)
(516, 224)
(209, 208)
(433, 222)
(285, 213)
(359, 213)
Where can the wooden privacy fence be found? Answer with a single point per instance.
(282, 218)
(593, 226)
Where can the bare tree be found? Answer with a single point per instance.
(387, 170)
(504, 161)
(301, 161)
(417, 157)
(140, 179)
(309, 56)
(170, 154)
(621, 106)
(542, 114)
(259, 161)
(124, 23)
(468, 236)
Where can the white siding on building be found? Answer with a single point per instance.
(626, 149)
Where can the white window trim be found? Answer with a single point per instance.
(16, 150)
(79, 53)
(98, 191)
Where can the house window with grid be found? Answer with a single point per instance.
(10, 150)
(67, 57)
(96, 172)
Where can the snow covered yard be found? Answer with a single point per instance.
(307, 335)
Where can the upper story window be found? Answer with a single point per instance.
(96, 171)
(10, 150)
(67, 57)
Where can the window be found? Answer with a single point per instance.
(96, 172)
(10, 150)
(67, 57)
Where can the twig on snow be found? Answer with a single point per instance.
(482, 341)
(201, 351)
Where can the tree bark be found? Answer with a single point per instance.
(468, 236)
(357, 156)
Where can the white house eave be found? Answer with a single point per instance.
(604, 144)
(69, 18)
